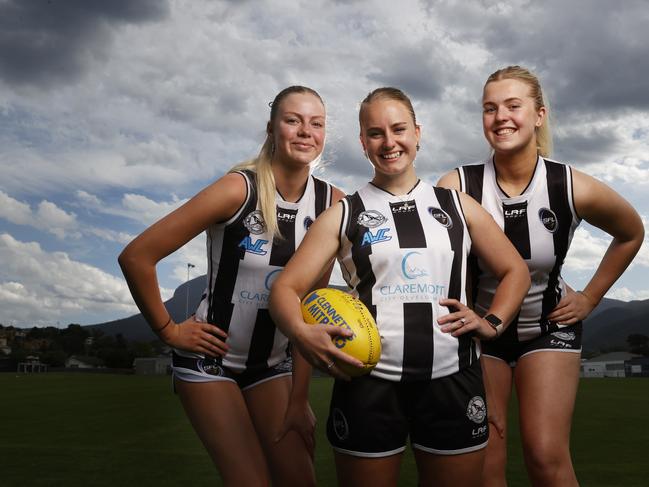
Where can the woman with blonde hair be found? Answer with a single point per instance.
(232, 367)
(538, 203)
(402, 246)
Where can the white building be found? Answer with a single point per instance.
(606, 365)
(152, 365)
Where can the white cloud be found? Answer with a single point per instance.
(48, 216)
(626, 294)
(40, 287)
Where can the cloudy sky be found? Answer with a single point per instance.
(112, 113)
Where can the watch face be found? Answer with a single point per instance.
(493, 320)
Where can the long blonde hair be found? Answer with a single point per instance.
(262, 163)
(543, 133)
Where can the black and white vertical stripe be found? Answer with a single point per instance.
(540, 222)
(401, 255)
(243, 261)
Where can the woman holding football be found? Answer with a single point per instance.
(232, 368)
(403, 246)
(538, 203)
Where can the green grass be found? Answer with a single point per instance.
(116, 430)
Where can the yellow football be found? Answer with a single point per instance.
(334, 307)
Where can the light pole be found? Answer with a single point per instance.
(189, 266)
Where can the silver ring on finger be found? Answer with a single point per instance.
(463, 321)
(330, 364)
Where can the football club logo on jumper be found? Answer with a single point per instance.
(411, 267)
(371, 219)
(308, 221)
(441, 216)
(476, 411)
(254, 222)
(370, 238)
(341, 429)
(549, 219)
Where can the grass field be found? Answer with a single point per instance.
(122, 430)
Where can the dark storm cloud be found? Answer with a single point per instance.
(48, 41)
(586, 147)
(591, 54)
(413, 70)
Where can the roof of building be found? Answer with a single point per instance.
(613, 357)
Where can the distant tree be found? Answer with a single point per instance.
(143, 349)
(72, 339)
(54, 358)
(638, 343)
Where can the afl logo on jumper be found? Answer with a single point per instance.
(308, 221)
(339, 423)
(476, 411)
(371, 219)
(254, 222)
(549, 219)
(441, 216)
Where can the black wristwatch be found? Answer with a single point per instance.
(496, 323)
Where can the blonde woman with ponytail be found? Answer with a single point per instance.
(243, 390)
(538, 203)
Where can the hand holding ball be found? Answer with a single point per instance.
(334, 307)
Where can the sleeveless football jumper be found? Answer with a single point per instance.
(400, 255)
(243, 261)
(540, 223)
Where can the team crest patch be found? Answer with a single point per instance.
(549, 219)
(476, 411)
(441, 216)
(210, 366)
(341, 429)
(371, 219)
(254, 222)
(308, 221)
(567, 336)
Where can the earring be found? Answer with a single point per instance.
(418, 147)
(272, 148)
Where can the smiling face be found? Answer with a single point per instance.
(298, 130)
(509, 116)
(389, 136)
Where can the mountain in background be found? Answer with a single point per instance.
(607, 327)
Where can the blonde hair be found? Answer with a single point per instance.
(543, 133)
(261, 164)
(387, 93)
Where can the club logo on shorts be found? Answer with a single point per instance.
(371, 219)
(549, 219)
(308, 221)
(567, 336)
(254, 222)
(210, 366)
(476, 411)
(441, 216)
(341, 429)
